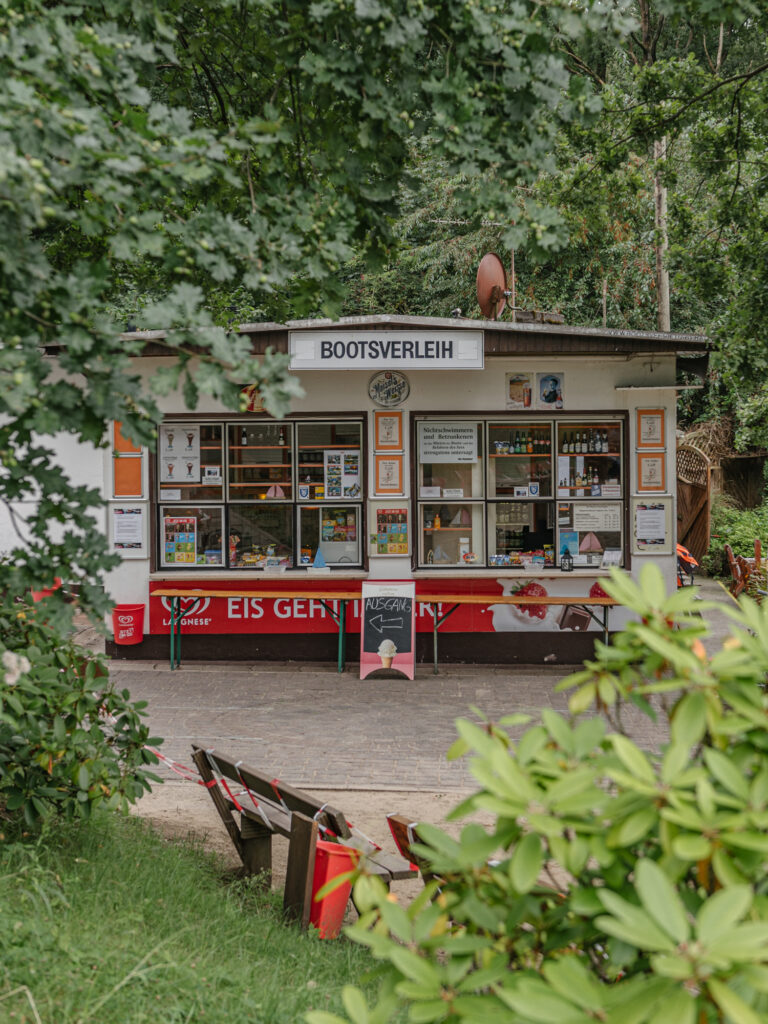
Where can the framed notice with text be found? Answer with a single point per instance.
(651, 472)
(652, 526)
(388, 478)
(650, 428)
(388, 431)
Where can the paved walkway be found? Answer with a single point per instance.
(318, 729)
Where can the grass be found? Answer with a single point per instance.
(109, 923)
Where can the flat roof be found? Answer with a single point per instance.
(502, 337)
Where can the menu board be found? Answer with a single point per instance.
(179, 540)
(596, 517)
(179, 454)
(128, 529)
(392, 531)
(387, 630)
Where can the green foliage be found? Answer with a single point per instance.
(183, 165)
(616, 883)
(70, 745)
(738, 527)
(108, 922)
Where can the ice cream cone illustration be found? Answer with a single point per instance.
(387, 651)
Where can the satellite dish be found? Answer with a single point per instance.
(491, 286)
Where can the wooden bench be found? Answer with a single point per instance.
(196, 595)
(586, 604)
(268, 807)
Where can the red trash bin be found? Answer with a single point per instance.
(128, 623)
(38, 595)
(331, 860)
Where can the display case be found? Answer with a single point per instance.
(329, 461)
(588, 529)
(589, 459)
(260, 462)
(333, 530)
(260, 537)
(451, 534)
(521, 534)
(519, 460)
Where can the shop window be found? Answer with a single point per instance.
(260, 537)
(333, 530)
(518, 518)
(190, 462)
(260, 462)
(329, 460)
(588, 529)
(190, 535)
(589, 459)
(521, 533)
(452, 534)
(265, 514)
(520, 460)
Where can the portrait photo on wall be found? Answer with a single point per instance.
(550, 390)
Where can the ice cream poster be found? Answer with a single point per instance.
(387, 634)
(178, 451)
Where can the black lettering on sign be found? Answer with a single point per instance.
(387, 619)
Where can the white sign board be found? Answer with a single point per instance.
(385, 350)
(447, 443)
(596, 517)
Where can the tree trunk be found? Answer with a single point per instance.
(661, 243)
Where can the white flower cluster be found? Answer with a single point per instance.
(14, 666)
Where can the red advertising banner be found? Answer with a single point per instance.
(238, 614)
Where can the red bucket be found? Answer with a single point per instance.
(38, 595)
(128, 623)
(331, 860)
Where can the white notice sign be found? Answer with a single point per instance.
(448, 442)
(596, 517)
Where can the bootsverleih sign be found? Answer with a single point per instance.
(416, 350)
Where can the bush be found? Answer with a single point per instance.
(628, 886)
(735, 526)
(69, 743)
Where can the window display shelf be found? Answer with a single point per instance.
(258, 465)
(521, 455)
(259, 483)
(318, 447)
(256, 447)
(592, 455)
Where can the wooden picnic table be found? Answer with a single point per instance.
(455, 600)
(195, 595)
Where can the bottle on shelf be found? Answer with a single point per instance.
(281, 438)
(436, 521)
(595, 478)
(605, 441)
(564, 445)
(598, 443)
(529, 443)
(244, 436)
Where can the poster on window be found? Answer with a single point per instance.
(179, 454)
(392, 531)
(447, 443)
(652, 526)
(179, 540)
(341, 473)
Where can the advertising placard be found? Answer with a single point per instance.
(388, 628)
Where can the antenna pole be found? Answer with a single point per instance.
(512, 285)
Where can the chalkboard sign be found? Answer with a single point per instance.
(387, 631)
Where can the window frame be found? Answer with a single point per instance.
(226, 502)
(526, 418)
